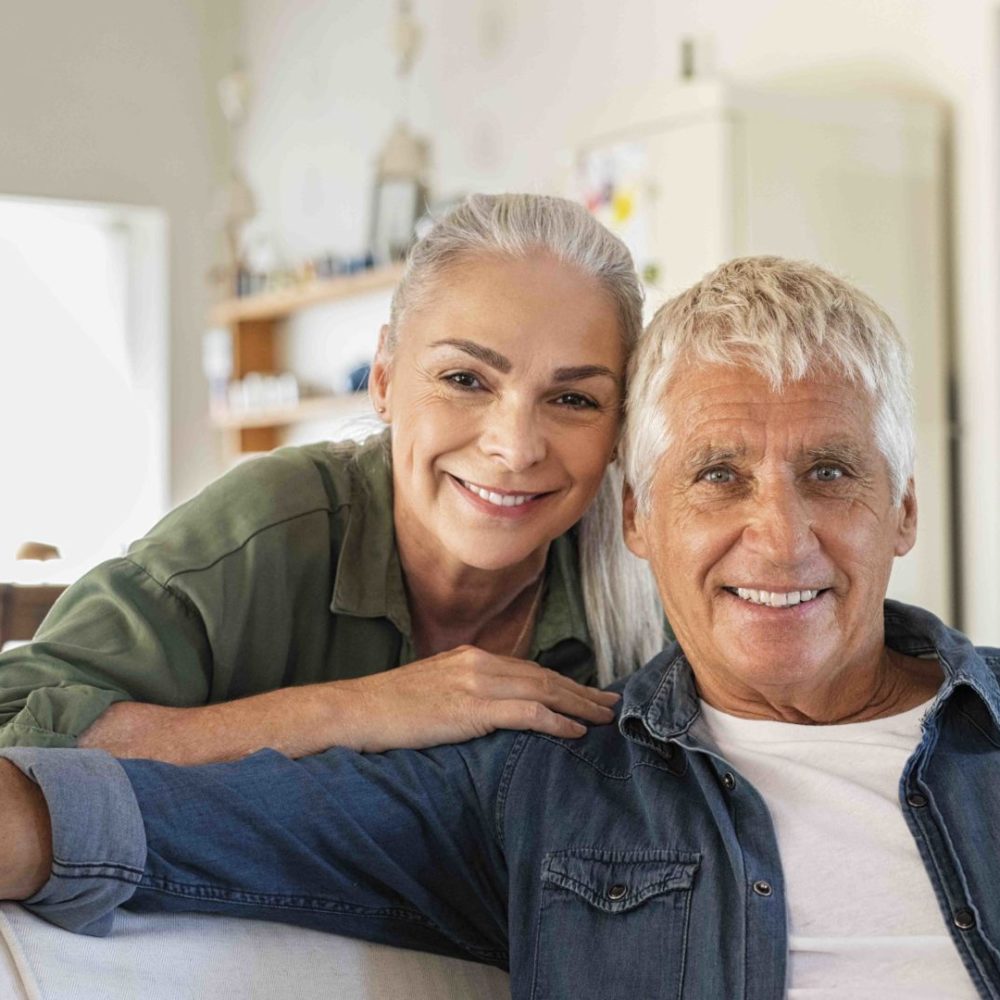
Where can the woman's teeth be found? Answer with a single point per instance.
(776, 600)
(499, 499)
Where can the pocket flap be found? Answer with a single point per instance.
(618, 881)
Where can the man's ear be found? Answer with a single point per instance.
(632, 526)
(380, 378)
(907, 529)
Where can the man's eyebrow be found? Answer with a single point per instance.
(837, 451)
(485, 354)
(712, 454)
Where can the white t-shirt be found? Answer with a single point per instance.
(863, 921)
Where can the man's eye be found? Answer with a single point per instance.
(718, 477)
(828, 473)
(463, 380)
(575, 401)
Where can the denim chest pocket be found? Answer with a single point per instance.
(613, 924)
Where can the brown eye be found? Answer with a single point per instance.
(463, 380)
(575, 401)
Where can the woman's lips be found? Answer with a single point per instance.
(502, 502)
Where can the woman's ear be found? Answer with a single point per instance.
(380, 378)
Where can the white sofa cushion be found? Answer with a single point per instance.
(193, 956)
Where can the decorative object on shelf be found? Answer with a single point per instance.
(262, 391)
(400, 193)
(235, 204)
(403, 165)
(217, 362)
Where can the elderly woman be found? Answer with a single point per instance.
(453, 576)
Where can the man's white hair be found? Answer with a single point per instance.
(785, 320)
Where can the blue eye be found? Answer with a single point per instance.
(718, 476)
(828, 473)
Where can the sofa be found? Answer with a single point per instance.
(197, 956)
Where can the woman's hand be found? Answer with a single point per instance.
(456, 696)
(448, 698)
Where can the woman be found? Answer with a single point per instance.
(272, 609)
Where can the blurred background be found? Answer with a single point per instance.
(203, 204)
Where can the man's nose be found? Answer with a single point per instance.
(780, 524)
(513, 435)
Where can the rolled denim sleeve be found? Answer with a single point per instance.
(98, 838)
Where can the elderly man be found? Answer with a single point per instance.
(799, 794)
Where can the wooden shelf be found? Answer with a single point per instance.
(282, 303)
(311, 408)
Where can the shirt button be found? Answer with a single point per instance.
(617, 891)
(762, 888)
(728, 781)
(965, 919)
(917, 800)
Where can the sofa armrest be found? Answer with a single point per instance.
(170, 956)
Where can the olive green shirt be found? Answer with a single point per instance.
(283, 572)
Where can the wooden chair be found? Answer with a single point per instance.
(22, 608)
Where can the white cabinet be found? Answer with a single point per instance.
(854, 183)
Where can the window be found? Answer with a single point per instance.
(83, 378)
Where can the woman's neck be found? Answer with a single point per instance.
(453, 604)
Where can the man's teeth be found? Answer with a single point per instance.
(499, 499)
(776, 600)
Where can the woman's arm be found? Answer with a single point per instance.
(448, 698)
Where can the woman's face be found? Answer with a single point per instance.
(504, 394)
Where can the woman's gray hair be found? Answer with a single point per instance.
(624, 616)
(786, 320)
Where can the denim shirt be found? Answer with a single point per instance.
(619, 865)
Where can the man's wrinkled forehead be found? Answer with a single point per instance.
(718, 413)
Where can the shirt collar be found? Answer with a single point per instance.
(661, 700)
(369, 579)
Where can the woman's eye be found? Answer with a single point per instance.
(718, 477)
(463, 380)
(575, 401)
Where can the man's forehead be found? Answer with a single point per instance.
(716, 409)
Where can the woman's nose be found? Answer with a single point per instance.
(513, 436)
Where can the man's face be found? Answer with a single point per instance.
(772, 533)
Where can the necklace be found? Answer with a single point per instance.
(531, 614)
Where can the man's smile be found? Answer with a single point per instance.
(774, 598)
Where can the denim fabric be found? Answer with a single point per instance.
(614, 866)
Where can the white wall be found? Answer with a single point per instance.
(110, 101)
(503, 86)
(113, 101)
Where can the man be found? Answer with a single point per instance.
(799, 792)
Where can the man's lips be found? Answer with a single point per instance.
(776, 598)
(497, 497)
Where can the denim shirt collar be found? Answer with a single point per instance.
(660, 702)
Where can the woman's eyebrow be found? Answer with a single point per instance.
(485, 354)
(496, 360)
(577, 372)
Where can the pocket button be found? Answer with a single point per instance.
(617, 891)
